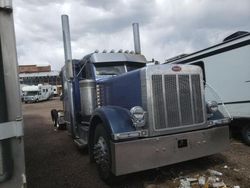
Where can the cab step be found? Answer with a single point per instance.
(80, 143)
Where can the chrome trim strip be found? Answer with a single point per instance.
(164, 99)
(178, 96)
(203, 99)
(191, 95)
(127, 135)
(11, 129)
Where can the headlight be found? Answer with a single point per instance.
(212, 107)
(138, 116)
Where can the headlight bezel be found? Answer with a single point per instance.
(212, 107)
(138, 116)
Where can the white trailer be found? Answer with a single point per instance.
(227, 70)
(36, 93)
(12, 167)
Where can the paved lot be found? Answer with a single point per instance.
(52, 159)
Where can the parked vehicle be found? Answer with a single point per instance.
(55, 91)
(227, 69)
(12, 165)
(134, 117)
(37, 93)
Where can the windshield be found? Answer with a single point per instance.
(134, 67)
(108, 71)
(31, 93)
(105, 71)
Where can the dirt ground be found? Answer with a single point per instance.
(53, 160)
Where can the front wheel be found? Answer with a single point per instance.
(245, 132)
(55, 119)
(59, 125)
(102, 155)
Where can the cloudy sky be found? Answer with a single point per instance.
(167, 27)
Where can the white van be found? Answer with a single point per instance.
(37, 93)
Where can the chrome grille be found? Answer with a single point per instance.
(177, 100)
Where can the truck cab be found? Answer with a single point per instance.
(121, 105)
(94, 70)
(133, 117)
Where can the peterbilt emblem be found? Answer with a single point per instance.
(176, 68)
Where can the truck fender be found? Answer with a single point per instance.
(114, 119)
(217, 115)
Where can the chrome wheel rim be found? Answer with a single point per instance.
(101, 154)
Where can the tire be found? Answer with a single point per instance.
(102, 155)
(57, 125)
(60, 126)
(54, 118)
(245, 133)
(53, 114)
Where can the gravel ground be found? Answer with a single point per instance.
(53, 160)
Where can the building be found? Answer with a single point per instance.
(34, 75)
(34, 68)
(51, 78)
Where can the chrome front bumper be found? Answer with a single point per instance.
(148, 153)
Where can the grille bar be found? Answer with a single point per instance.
(159, 109)
(197, 98)
(185, 100)
(171, 104)
(177, 100)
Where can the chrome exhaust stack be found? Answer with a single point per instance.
(69, 72)
(136, 34)
(67, 46)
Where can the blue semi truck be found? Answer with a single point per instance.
(134, 117)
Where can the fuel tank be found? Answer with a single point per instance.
(87, 96)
